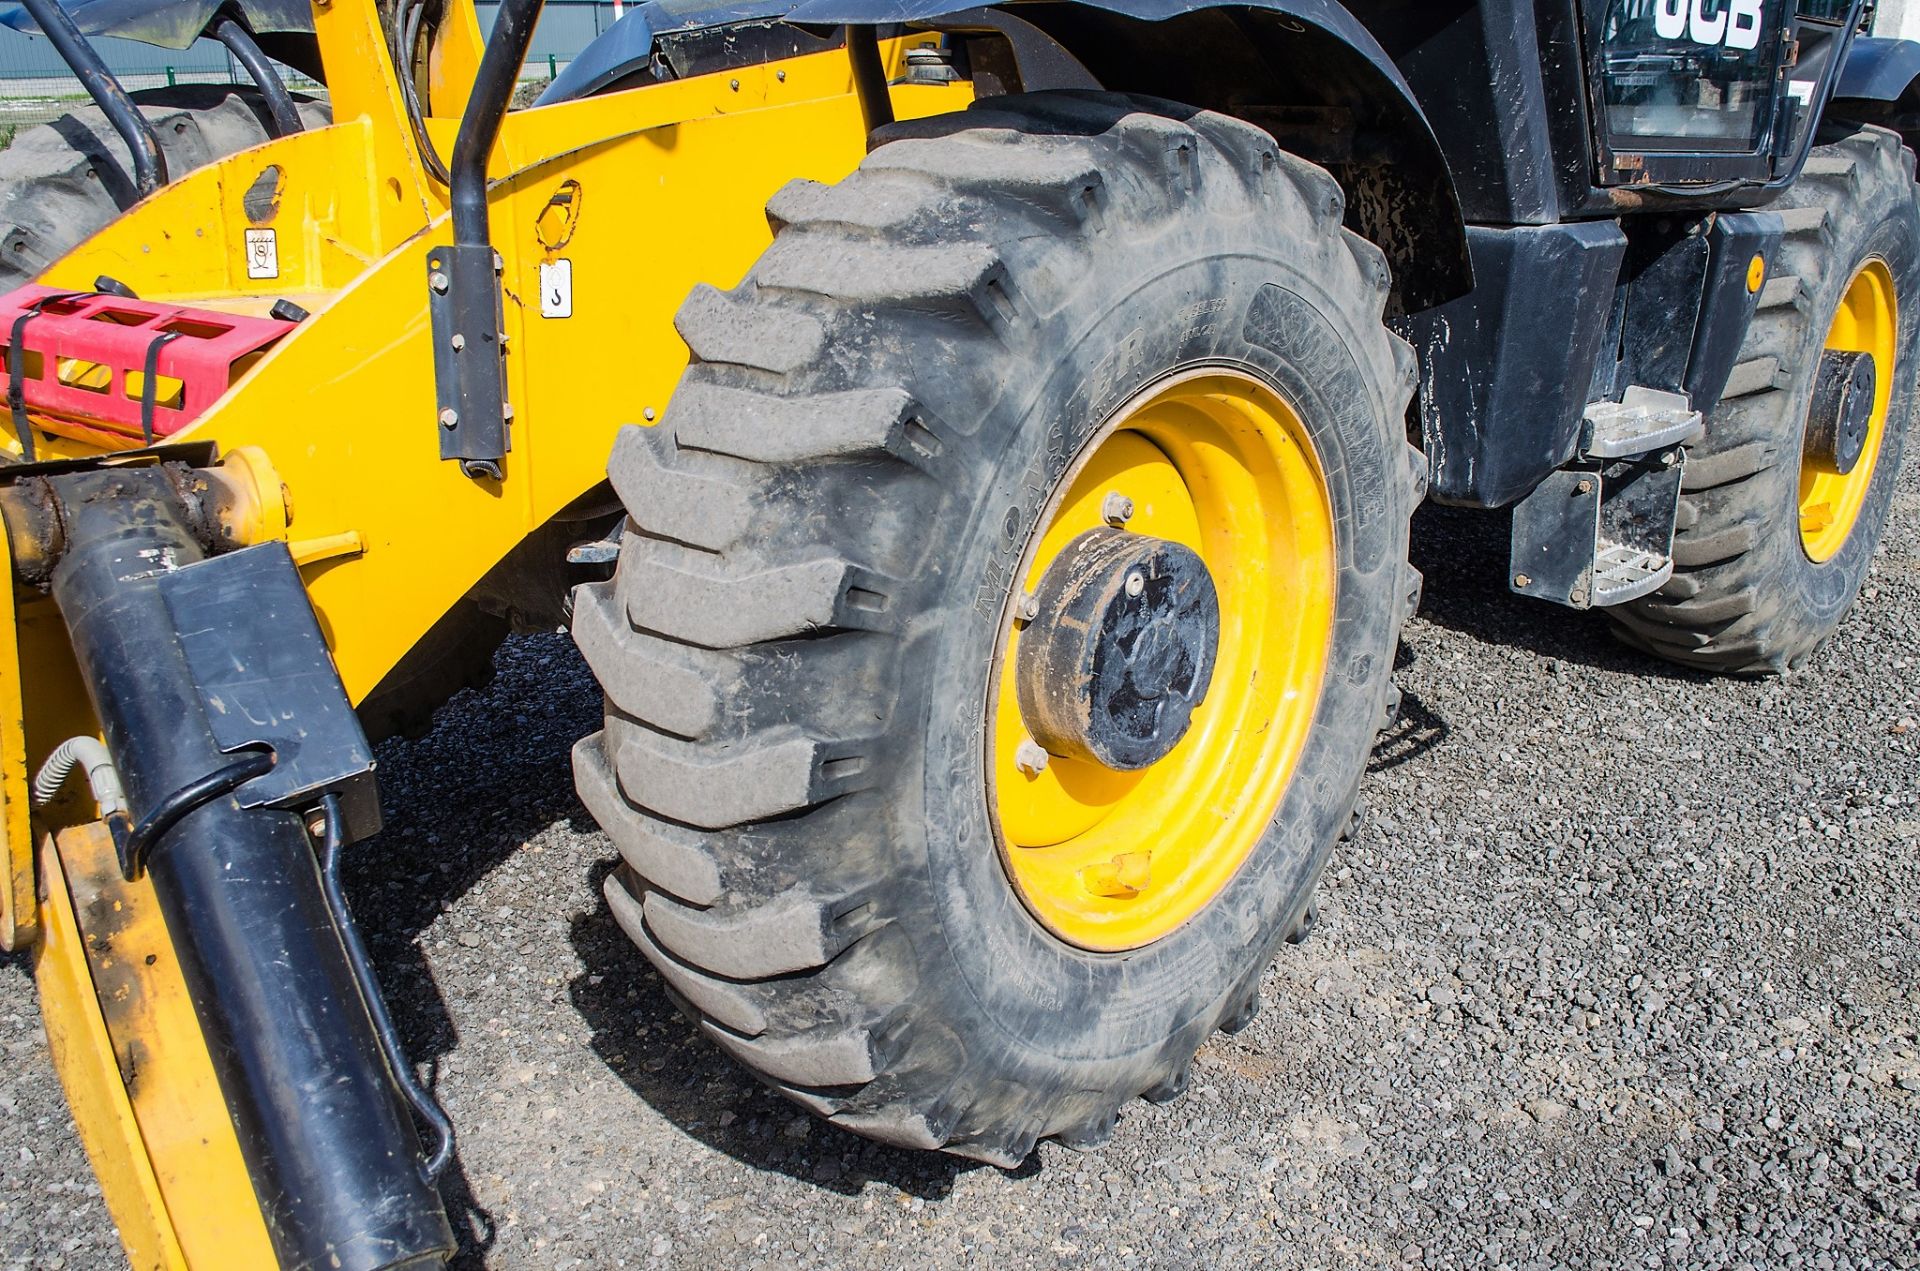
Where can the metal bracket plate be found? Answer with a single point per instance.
(469, 371)
(265, 677)
(1598, 534)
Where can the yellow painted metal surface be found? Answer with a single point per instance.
(18, 916)
(674, 180)
(1114, 860)
(84, 1056)
(1867, 321)
(161, 1059)
(667, 187)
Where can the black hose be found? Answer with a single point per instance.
(240, 42)
(493, 87)
(417, 1096)
(143, 143)
(195, 794)
(403, 56)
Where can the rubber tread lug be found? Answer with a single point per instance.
(668, 856)
(718, 328)
(726, 1004)
(777, 937)
(725, 784)
(673, 687)
(832, 1058)
(718, 604)
(783, 430)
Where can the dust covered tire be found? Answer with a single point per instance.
(796, 646)
(62, 181)
(1746, 596)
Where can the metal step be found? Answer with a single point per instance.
(1642, 421)
(1622, 572)
(1599, 531)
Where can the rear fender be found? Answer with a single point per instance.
(1307, 71)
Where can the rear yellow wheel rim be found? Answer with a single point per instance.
(1867, 321)
(1217, 462)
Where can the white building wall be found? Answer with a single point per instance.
(1898, 18)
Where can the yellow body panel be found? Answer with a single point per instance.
(345, 406)
(18, 917)
(200, 1180)
(102, 1110)
(668, 182)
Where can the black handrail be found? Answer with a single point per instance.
(493, 87)
(240, 42)
(869, 76)
(333, 838)
(149, 164)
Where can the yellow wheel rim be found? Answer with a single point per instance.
(1867, 321)
(1216, 462)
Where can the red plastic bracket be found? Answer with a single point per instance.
(101, 339)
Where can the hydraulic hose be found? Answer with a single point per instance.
(89, 756)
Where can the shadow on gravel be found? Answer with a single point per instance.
(682, 1074)
(492, 774)
(1463, 554)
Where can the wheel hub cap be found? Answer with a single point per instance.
(1847, 415)
(1841, 410)
(1120, 649)
(1161, 659)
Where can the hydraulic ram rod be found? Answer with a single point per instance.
(331, 1150)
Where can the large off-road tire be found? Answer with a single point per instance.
(1768, 553)
(830, 529)
(62, 181)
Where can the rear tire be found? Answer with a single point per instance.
(61, 182)
(1746, 595)
(826, 529)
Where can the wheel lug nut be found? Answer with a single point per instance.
(1027, 608)
(1135, 584)
(1030, 757)
(1117, 510)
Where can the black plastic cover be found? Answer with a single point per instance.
(1505, 369)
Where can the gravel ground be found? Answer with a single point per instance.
(1622, 971)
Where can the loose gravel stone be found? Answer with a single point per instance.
(1624, 970)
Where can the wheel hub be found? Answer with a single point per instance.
(1841, 409)
(1119, 650)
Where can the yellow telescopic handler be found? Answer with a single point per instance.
(974, 450)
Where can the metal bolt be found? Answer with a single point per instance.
(1522, 580)
(1030, 757)
(1117, 509)
(506, 412)
(1584, 487)
(1668, 459)
(1579, 596)
(781, 76)
(449, 417)
(1027, 608)
(647, 414)
(1135, 584)
(499, 265)
(438, 281)
(459, 342)
(734, 84)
